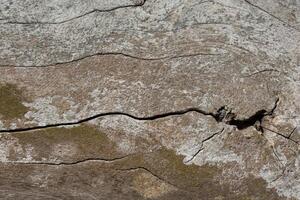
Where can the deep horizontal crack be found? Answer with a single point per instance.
(79, 16)
(149, 118)
(112, 54)
(222, 115)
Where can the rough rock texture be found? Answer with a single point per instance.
(153, 99)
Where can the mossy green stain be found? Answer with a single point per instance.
(11, 106)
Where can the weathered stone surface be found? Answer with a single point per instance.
(142, 88)
(130, 99)
(30, 11)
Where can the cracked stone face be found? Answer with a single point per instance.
(150, 99)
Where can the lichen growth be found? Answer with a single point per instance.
(11, 106)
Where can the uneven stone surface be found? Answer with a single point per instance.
(132, 99)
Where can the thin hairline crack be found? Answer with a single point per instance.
(202, 143)
(65, 163)
(104, 160)
(139, 4)
(271, 14)
(113, 54)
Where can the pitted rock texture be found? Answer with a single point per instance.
(150, 99)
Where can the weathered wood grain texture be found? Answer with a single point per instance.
(153, 99)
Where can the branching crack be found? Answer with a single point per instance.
(225, 114)
(141, 3)
(284, 171)
(202, 144)
(288, 137)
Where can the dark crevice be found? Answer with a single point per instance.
(149, 118)
(221, 115)
(254, 120)
(251, 121)
(79, 16)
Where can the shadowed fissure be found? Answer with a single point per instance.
(222, 115)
